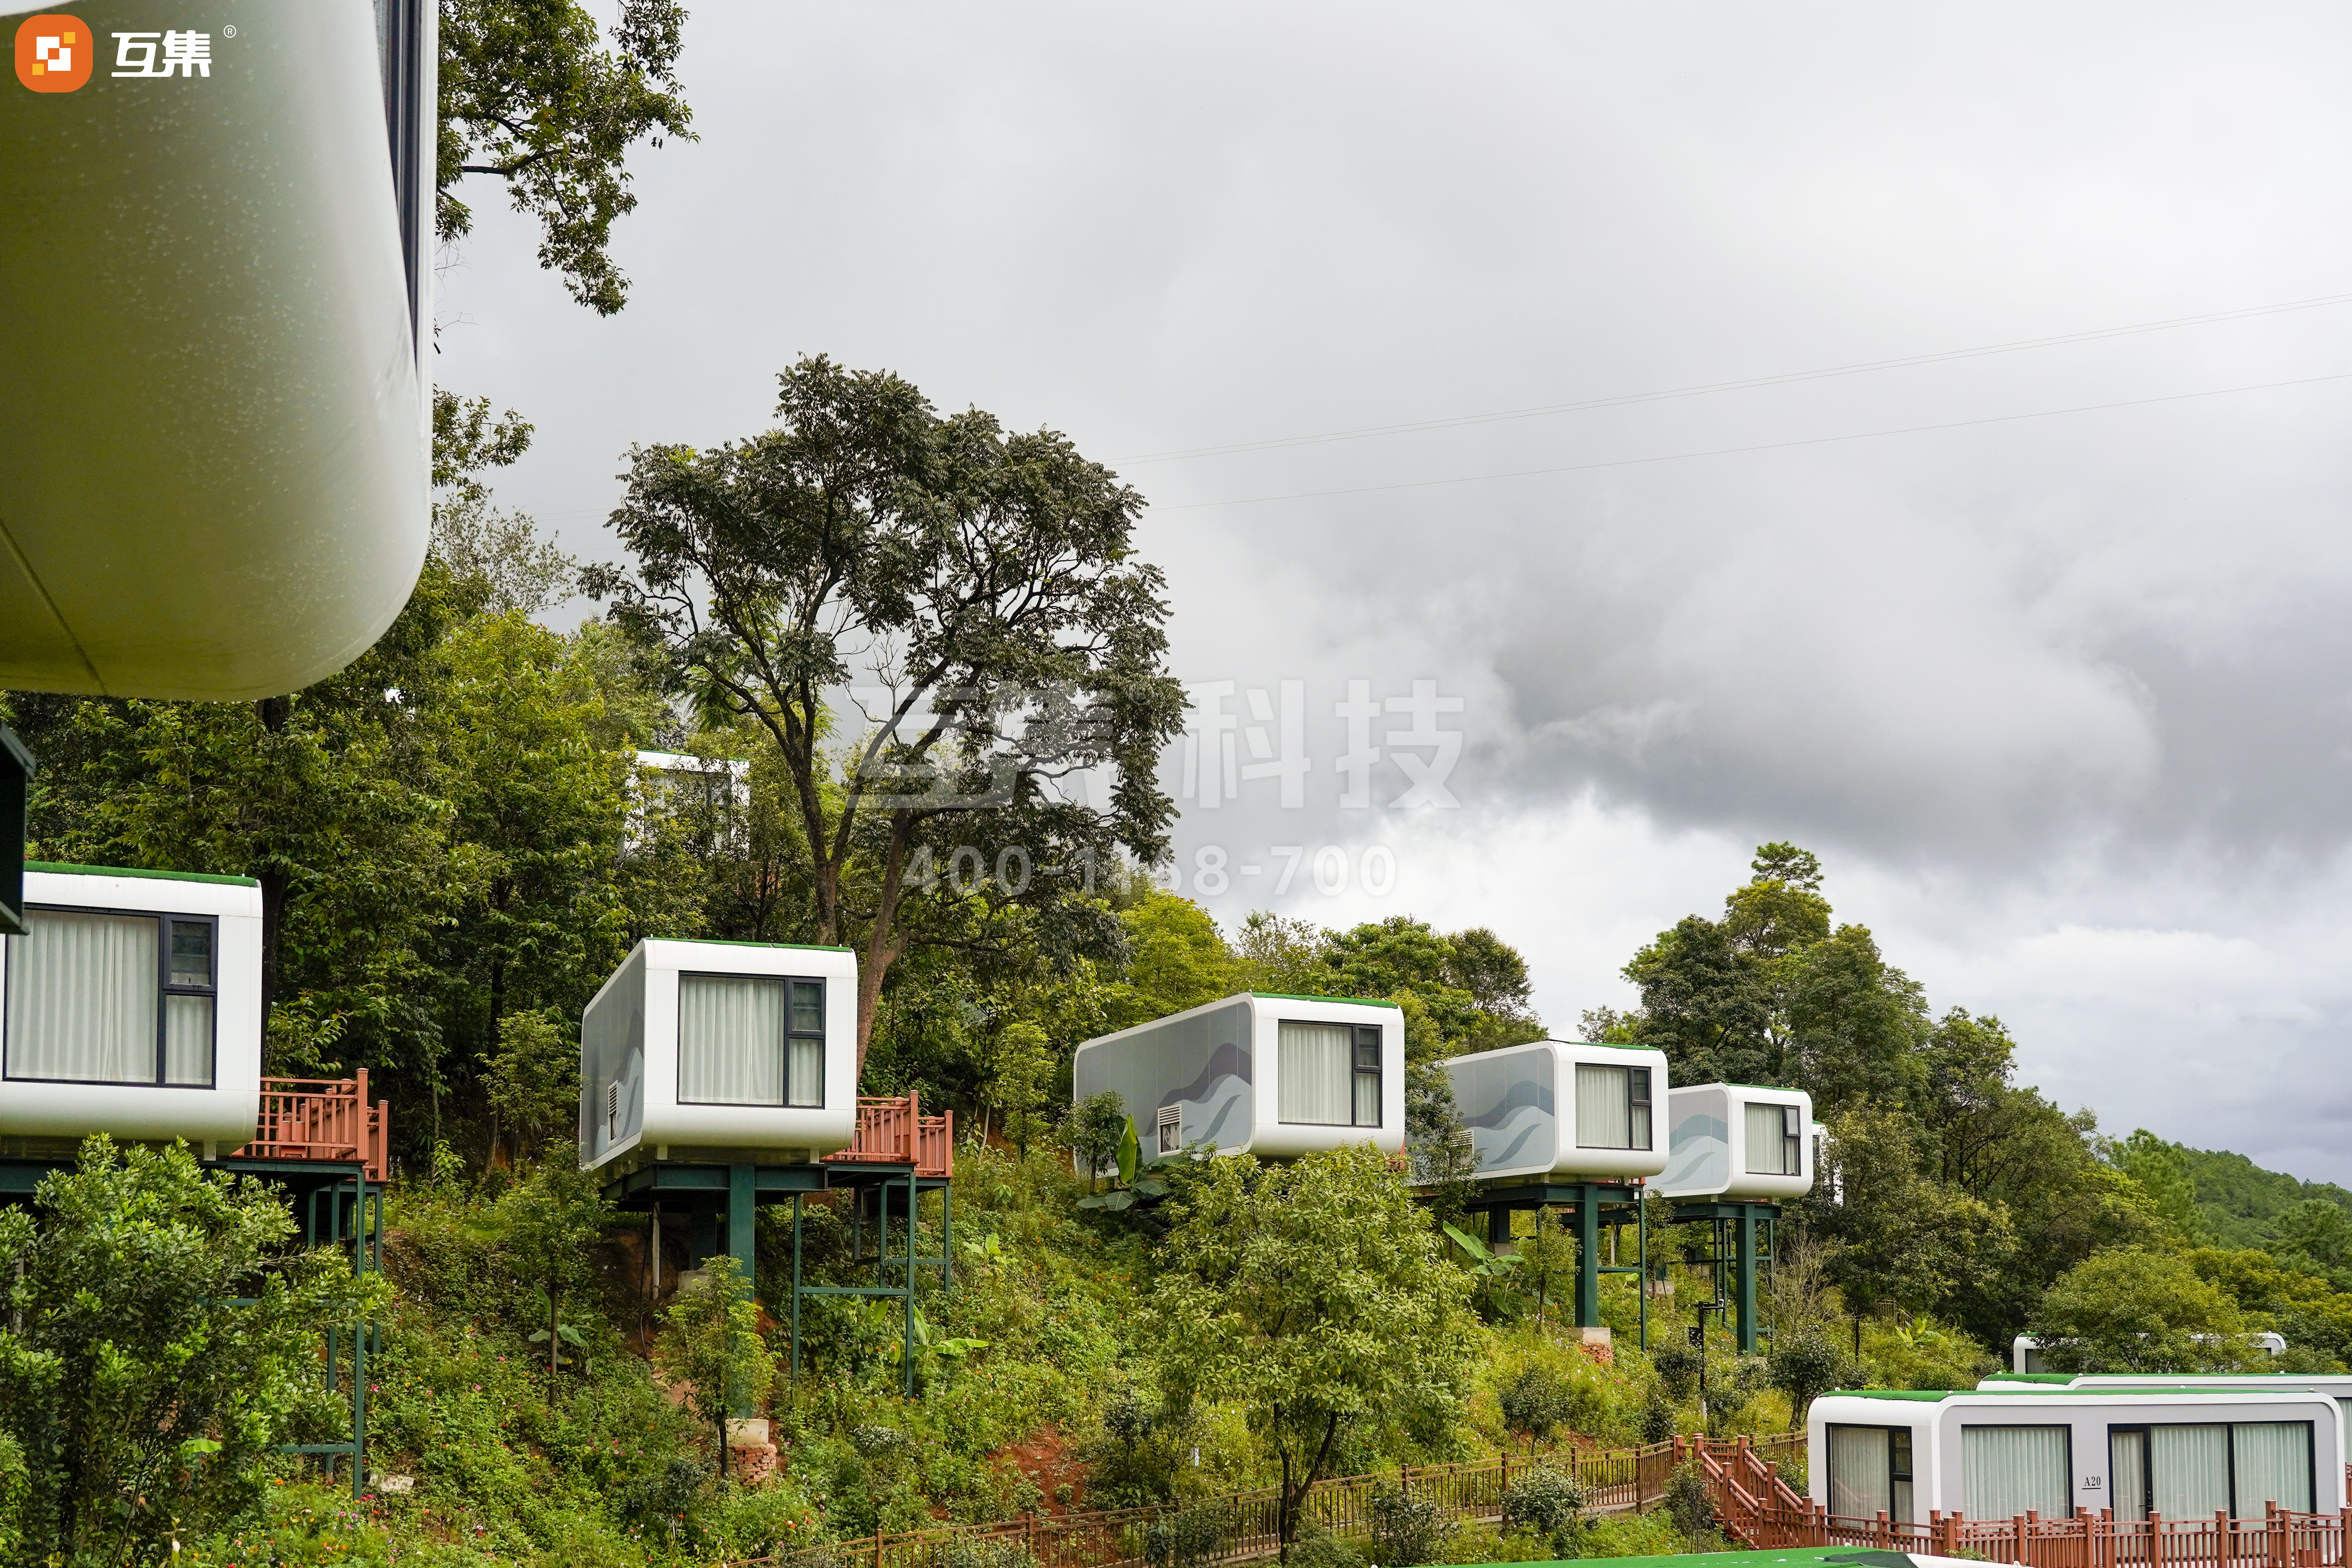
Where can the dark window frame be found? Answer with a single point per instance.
(1900, 1465)
(164, 987)
(792, 1033)
(1640, 1110)
(1365, 1061)
(2147, 1430)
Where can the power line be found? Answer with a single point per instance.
(1623, 399)
(1762, 447)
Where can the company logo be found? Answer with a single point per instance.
(54, 53)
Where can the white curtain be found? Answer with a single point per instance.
(81, 1002)
(1368, 1099)
(1604, 1104)
(2273, 1464)
(1766, 1148)
(188, 1040)
(804, 1085)
(2011, 1470)
(1313, 1062)
(1859, 1486)
(2189, 1471)
(2128, 1458)
(730, 1040)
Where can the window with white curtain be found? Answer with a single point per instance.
(746, 1040)
(1612, 1107)
(1314, 1064)
(98, 996)
(2011, 1470)
(1870, 1472)
(1775, 1140)
(2193, 1472)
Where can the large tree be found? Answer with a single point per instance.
(973, 597)
(530, 96)
(1317, 1295)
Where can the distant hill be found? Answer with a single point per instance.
(2240, 1201)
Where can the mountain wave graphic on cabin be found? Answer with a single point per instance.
(1698, 1154)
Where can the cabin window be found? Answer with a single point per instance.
(1612, 1107)
(1870, 1472)
(1330, 1074)
(102, 997)
(2012, 1470)
(1775, 1140)
(2194, 1471)
(746, 1040)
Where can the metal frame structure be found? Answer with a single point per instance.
(898, 1155)
(1593, 1203)
(1736, 1257)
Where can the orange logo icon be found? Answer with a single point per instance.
(54, 53)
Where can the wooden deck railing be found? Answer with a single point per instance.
(1247, 1523)
(328, 1120)
(1756, 1506)
(894, 1130)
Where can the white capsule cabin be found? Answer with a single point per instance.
(1563, 1109)
(1998, 1455)
(2026, 1356)
(1277, 1077)
(132, 1008)
(2334, 1387)
(720, 1052)
(1738, 1143)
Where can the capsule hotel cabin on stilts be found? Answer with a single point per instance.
(1563, 1110)
(720, 1052)
(132, 1008)
(1258, 1074)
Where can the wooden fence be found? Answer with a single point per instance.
(322, 1118)
(1246, 1525)
(1755, 1505)
(893, 1130)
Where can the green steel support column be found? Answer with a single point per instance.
(881, 1233)
(705, 1235)
(1746, 1267)
(796, 1288)
(742, 1245)
(1587, 1257)
(913, 1192)
(946, 1238)
(359, 1411)
(1642, 1240)
(1498, 1226)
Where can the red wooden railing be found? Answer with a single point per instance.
(894, 1130)
(323, 1119)
(1753, 1503)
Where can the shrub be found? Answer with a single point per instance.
(964, 1552)
(1804, 1365)
(1687, 1503)
(1659, 1419)
(1184, 1540)
(1678, 1368)
(1536, 1402)
(1551, 1503)
(1317, 1547)
(1407, 1531)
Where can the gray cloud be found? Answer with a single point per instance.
(2064, 698)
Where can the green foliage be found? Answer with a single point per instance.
(1549, 1503)
(1190, 1538)
(1536, 1402)
(1094, 1130)
(161, 1343)
(1805, 1365)
(1688, 1502)
(1314, 1294)
(2161, 1171)
(987, 577)
(710, 1345)
(529, 96)
(1407, 1531)
(534, 1081)
(2130, 1310)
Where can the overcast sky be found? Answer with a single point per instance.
(2044, 650)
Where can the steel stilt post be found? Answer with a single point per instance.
(742, 1245)
(796, 1288)
(908, 1361)
(1587, 1257)
(1745, 1265)
(947, 1238)
(1642, 1280)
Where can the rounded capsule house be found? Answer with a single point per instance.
(1261, 1074)
(132, 1008)
(721, 1051)
(1738, 1143)
(1559, 1108)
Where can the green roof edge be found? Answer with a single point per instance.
(61, 868)
(730, 942)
